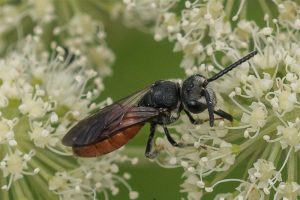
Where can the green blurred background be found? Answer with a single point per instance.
(139, 62)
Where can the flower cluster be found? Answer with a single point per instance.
(91, 177)
(65, 24)
(142, 14)
(41, 96)
(48, 82)
(261, 94)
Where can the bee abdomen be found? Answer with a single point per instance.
(110, 144)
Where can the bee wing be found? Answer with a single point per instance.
(108, 120)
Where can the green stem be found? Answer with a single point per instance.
(40, 187)
(3, 181)
(291, 167)
(26, 189)
(267, 150)
(18, 193)
(241, 158)
(63, 12)
(4, 193)
(75, 7)
(234, 136)
(96, 9)
(275, 152)
(44, 172)
(253, 158)
(47, 158)
(228, 8)
(266, 131)
(66, 162)
(265, 8)
(296, 166)
(243, 14)
(102, 6)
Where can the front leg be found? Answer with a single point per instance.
(224, 114)
(178, 144)
(191, 118)
(221, 113)
(171, 140)
(210, 108)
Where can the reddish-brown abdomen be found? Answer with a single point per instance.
(110, 144)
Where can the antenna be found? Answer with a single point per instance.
(232, 66)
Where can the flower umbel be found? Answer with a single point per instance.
(64, 24)
(262, 95)
(41, 96)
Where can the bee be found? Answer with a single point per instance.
(160, 104)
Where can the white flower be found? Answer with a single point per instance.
(87, 36)
(42, 136)
(262, 173)
(256, 118)
(267, 60)
(190, 186)
(249, 191)
(262, 95)
(287, 190)
(38, 108)
(14, 166)
(290, 135)
(33, 107)
(256, 87)
(91, 177)
(78, 32)
(6, 130)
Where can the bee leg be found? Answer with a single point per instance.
(221, 113)
(191, 118)
(224, 114)
(178, 144)
(149, 153)
(171, 140)
(210, 108)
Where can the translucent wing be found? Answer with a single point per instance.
(130, 125)
(107, 121)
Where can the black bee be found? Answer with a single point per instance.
(159, 104)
